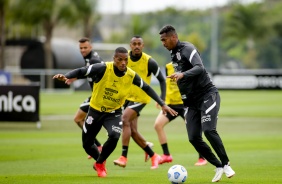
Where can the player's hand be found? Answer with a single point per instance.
(166, 109)
(60, 77)
(158, 106)
(69, 81)
(176, 76)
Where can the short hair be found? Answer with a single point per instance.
(168, 29)
(136, 36)
(84, 39)
(121, 50)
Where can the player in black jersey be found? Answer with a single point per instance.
(201, 96)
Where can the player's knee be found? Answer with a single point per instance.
(77, 120)
(195, 139)
(209, 133)
(114, 137)
(157, 126)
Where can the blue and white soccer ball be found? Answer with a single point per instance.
(177, 174)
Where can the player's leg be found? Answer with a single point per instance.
(140, 140)
(194, 129)
(209, 122)
(160, 122)
(128, 115)
(79, 119)
(112, 123)
(90, 129)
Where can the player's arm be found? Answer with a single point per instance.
(192, 55)
(95, 71)
(155, 69)
(145, 87)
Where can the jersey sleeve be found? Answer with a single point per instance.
(155, 69)
(147, 89)
(193, 57)
(94, 71)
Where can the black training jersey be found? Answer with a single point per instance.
(92, 58)
(196, 81)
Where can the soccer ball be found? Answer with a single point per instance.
(177, 174)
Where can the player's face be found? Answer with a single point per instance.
(121, 60)
(85, 48)
(167, 41)
(136, 45)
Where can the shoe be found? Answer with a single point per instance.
(121, 161)
(218, 174)
(89, 157)
(151, 145)
(155, 161)
(201, 162)
(228, 171)
(100, 148)
(104, 163)
(165, 159)
(101, 170)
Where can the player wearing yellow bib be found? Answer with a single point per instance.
(112, 82)
(145, 66)
(173, 99)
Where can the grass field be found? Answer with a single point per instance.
(250, 124)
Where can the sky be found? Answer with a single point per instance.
(140, 6)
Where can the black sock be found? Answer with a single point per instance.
(149, 151)
(165, 149)
(124, 151)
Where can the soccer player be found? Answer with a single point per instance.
(144, 65)
(174, 101)
(112, 82)
(201, 96)
(90, 57)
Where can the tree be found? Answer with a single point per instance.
(48, 14)
(85, 11)
(244, 24)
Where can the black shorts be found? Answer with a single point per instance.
(180, 109)
(95, 120)
(85, 105)
(136, 106)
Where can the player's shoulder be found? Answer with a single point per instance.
(94, 54)
(186, 48)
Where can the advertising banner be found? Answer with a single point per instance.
(19, 103)
(247, 81)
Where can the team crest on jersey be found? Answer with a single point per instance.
(89, 120)
(178, 56)
(87, 62)
(95, 54)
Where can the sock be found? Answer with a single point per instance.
(165, 149)
(149, 151)
(124, 151)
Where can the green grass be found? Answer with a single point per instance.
(250, 124)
